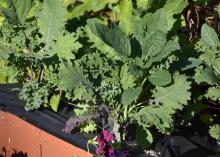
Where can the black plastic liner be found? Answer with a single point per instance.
(43, 119)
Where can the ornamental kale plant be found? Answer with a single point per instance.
(119, 63)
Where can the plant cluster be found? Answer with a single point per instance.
(152, 65)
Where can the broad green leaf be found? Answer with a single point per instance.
(71, 77)
(157, 21)
(125, 15)
(65, 46)
(54, 102)
(209, 37)
(208, 58)
(192, 64)
(152, 44)
(167, 101)
(51, 20)
(66, 3)
(174, 7)
(112, 37)
(175, 95)
(142, 3)
(143, 137)
(87, 6)
(159, 116)
(91, 33)
(213, 93)
(215, 131)
(19, 9)
(203, 75)
(216, 65)
(130, 95)
(160, 78)
(126, 79)
(2, 18)
(170, 47)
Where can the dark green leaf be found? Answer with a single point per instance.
(160, 77)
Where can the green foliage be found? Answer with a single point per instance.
(123, 57)
(209, 37)
(34, 95)
(130, 95)
(166, 101)
(174, 7)
(213, 93)
(206, 76)
(65, 45)
(87, 6)
(160, 77)
(71, 78)
(215, 131)
(112, 37)
(51, 20)
(175, 95)
(18, 10)
(54, 102)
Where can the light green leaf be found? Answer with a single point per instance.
(157, 21)
(192, 64)
(216, 65)
(175, 95)
(130, 95)
(87, 6)
(112, 37)
(19, 9)
(213, 93)
(152, 44)
(91, 33)
(65, 46)
(203, 75)
(54, 102)
(215, 131)
(170, 47)
(209, 37)
(71, 77)
(90, 127)
(2, 18)
(125, 15)
(208, 57)
(167, 101)
(68, 2)
(160, 78)
(51, 20)
(159, 116)
(126, 79)
(173, 7)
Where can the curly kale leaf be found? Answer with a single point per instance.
(34, 95)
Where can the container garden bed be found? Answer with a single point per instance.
(37, 133)
(40, 133)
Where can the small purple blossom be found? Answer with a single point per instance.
(104, 146)
(107, 136)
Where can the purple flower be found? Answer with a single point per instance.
(108, 137)
(104, 146)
